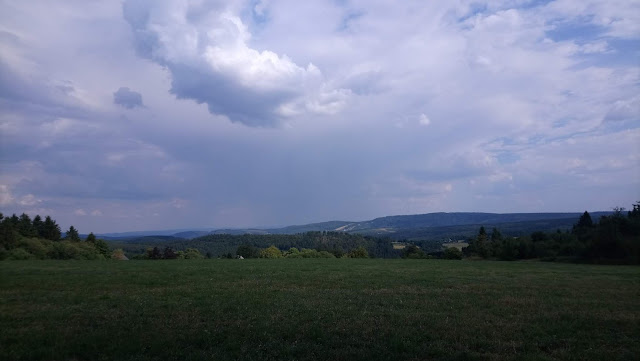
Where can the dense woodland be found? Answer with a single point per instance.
(22, 238)
(337, 244)
(612, 239)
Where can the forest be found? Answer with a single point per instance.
(22, 238)
(613, 239)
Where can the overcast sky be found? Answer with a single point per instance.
(138, 115)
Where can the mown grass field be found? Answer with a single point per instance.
(310, 309)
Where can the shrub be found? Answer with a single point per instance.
(192, 253)
(452, 253)
(359, 252)
(118, 254)
(20, 254)
(102, 247)
(39, 248)
(271, 252)
(413, 252)
(247, 251)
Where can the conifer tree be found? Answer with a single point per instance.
(91, 238)
(38, 225)
(50, 229)
(72, 235)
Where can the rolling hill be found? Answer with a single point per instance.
(430, 226)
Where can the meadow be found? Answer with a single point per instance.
(318, 309)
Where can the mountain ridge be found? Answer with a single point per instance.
(394, 226)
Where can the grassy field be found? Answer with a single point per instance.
(310, 309)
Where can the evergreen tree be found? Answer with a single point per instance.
(585, 221)
(38, 225)
(8, 236)
(50, 229)
(496, 241)
(584, 228)
(91, 238)
(496, 236)
(72, 235)
(102, 247)
(479, 245)
(633, 214)
(25, 227)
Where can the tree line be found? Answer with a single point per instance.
(248, 251)
(338, 244)
(24, 238)
(613, 239)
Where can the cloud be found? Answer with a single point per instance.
(6, 198)
(210, 61)
(621, 110)
(424, 120)
(127, 98)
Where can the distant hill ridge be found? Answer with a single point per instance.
(399, 226)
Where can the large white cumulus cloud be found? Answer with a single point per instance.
(206, 47)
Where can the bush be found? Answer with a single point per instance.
(247, 251)
(413, 252)
(192, 253)
(308, 253)
(20, 254)
(72, 250)
(102, 247)
(118, 254)
(271, 252)
(39, 248)
(452, 253)
(359, 252)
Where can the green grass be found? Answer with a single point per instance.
(318, 309)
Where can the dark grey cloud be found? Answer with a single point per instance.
(28, 92)
(127, 98)
(208, 55)
(223, 95)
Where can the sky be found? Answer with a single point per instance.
(155, 114)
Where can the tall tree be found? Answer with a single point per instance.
(15, 221)
(496, 236)
(25, 227)
(496, 241)
(478, 245)
(72, 234)
(584, 228)
(50, 229)
(38, 225)
(585, 220)
(635, 212)
(8, 235)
